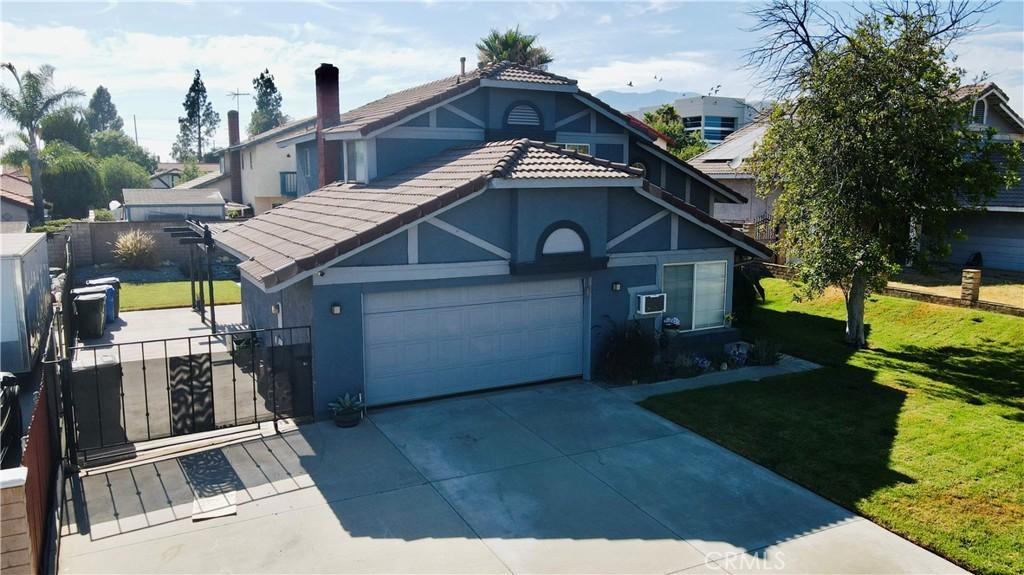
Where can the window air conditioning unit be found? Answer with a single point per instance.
(652, 303)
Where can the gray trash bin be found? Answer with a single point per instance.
(116, 283)
(91, 310)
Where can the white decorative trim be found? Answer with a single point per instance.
(465, 116)
(573, 118)
(521, 183)
(636, 229)
(700, 176)
(1009, 112)
(693, 219)
(468, 237)
(490, 83)
(1004, 209)
(432, 118)
(660, 258)
(413, 245)
(296, 139)
(357, 135)
(423, 133)
(674, 233)
(373, 274)
(305, 274)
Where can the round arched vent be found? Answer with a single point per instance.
(523, 115)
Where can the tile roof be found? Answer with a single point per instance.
(171, 196)
(16, 184)
(314, 229)
(15, 198)
(300, 124)
(393, 107)
(171, 167)
(201, 181)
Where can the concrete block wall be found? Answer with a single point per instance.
(93, 242)
(16, 554)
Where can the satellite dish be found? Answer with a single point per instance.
(113, 205)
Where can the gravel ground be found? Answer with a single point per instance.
(164, 273)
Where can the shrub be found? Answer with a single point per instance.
(629, 353)
(135, 249)
(71, 180)
(102, 215)
(119, 173)
(53, 225)
(765, 352)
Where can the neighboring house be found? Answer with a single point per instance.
(217, 180)
(997, 230)
(437, 250)
(147, 204)
(714, 117)
(727, 163)
(168, 174)
(16, 182)
(15, 208)
(266, 172)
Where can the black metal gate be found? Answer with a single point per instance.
(124, 394)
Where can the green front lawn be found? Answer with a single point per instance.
(923, 433)
(163, 295)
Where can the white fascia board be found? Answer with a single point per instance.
(731, 176)
(1004, 209)
(296, 139)
(682, 255)
(533, 86)
(423, 133)
(374, 274)
(690, 218)
(695, 173)
(1013, 115)
(323, 267)
(506, 183)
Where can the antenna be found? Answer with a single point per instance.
(236, 95)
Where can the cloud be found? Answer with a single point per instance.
(681, 71)
(998, 55)
(604, 19)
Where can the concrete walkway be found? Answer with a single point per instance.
(788, 364)
(561, 478)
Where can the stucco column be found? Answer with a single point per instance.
(16, 553)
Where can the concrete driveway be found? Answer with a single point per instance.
(561, 478)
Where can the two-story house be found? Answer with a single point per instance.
(487, 229)
(265, 174)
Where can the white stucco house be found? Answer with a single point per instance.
(265, 174)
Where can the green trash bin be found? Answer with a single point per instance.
(91, 312)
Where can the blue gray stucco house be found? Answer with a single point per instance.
(484, 230)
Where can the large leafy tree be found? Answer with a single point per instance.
(113, 143)
(685, 144)
(34, 98)
(268, 113)
(118, 173)
(513, 46)
(196, 127)
(869, 148)
(66, 125)
(72, 180)
(102, 113)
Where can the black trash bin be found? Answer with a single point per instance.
(104, 289)
(91, 310)
(116, 283)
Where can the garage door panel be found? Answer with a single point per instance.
(435, 342)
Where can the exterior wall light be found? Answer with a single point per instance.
(616, 286)
(335, 309)
(275, 308)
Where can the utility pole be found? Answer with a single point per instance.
(136, 124)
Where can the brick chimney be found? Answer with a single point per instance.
(234, 158)
(327, 116)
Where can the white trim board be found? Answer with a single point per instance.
(573, 117)
(468, 237)
(716, 188)
(465, 116)
(413, 245)
(374, 274)
(636, 229)
(433, 133)
(358, 135)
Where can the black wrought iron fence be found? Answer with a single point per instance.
(128, 393)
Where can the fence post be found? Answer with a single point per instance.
(970, 285)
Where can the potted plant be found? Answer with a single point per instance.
(670, 326)
(347, 410)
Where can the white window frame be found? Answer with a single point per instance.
(578, 147)
(984, 113)
(693, 304)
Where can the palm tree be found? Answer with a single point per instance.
(35, 98)
(514, 46)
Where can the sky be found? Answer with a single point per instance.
(145, 53)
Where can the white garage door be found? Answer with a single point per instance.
(435, 342)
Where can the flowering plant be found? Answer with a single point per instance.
(671, 322)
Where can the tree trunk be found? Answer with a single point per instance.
(855, 311)
(38, 213)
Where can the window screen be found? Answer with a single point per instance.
(979, 112)
(709, 309)
(677, 282)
